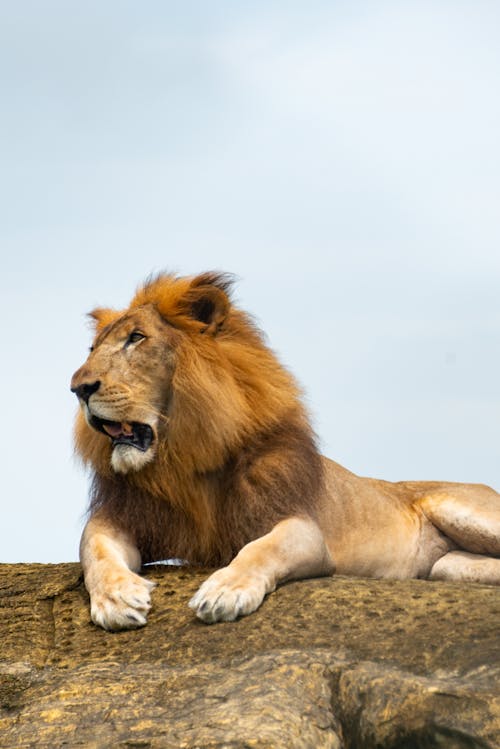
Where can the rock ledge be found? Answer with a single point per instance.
(334, 663)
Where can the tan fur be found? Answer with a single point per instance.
(232, 475)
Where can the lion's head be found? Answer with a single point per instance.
(181, 375)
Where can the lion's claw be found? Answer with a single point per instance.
(226, 595)
(121, 601)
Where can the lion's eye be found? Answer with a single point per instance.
(134, 337)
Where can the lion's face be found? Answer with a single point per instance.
(124, 386)
(176, 382)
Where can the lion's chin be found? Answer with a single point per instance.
(126, 458)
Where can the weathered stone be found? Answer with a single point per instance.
(335, 662)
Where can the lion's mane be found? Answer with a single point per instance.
(237, 453)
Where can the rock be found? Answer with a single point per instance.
(325, 663)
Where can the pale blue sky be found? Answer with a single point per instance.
(341, 158)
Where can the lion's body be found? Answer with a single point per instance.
(377, 528)
(201, 449)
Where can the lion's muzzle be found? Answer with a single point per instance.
(133, 434)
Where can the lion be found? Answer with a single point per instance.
(200, 448)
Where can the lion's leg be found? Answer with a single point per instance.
(469, 515)
(467, 567)
(294, 549)
(119, 598)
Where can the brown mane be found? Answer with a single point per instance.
(236, 453)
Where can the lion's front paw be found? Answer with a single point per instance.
(227, 594)
(120, 600)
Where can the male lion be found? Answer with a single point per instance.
(201, 448)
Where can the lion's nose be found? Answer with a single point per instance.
(85, 390)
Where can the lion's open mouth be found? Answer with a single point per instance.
(124, 433)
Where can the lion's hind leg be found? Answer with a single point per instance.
(467, 567)
(470, 516)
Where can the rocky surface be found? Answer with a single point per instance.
(331, 663)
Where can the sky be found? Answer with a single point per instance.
(342, 159)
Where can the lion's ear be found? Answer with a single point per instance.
(208, 306)
(207, 300)
(101, 317)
